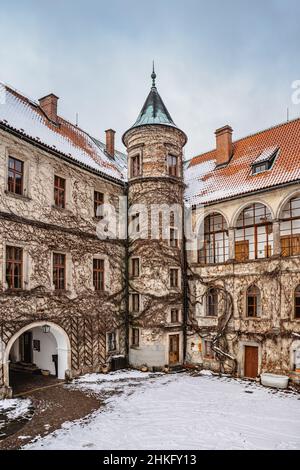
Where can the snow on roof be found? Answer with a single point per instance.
(266, 155)
(26, 117)
(206, 183)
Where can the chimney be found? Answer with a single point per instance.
(110, 142)
(49, 106)
(224, 145)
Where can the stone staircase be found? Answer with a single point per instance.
(24, 367)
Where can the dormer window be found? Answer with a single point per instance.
(265, 161)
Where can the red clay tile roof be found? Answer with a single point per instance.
(207, 184)
(23, 115)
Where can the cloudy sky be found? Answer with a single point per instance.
(217, 62)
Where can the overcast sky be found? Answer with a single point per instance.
(218, 62)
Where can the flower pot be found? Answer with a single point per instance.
(45, 372)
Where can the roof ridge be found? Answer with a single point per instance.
(36, 104)
(275, 126)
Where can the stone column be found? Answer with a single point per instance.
(231, 238)
(276, 238)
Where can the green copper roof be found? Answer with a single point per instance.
(154, 111)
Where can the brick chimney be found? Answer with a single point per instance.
(110, 142)
(49, 106)
(224, 145)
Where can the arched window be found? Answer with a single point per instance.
(297, 302)
(212, 303)
(290, 228)
(214, 240)
(253, 302)
(254, 233)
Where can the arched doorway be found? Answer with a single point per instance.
(38, 346)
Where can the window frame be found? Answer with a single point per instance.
(212, 293)
(292, 247)
(112, 335)
(59, 268)
(245, 238)
(173, 170)
(172, 271)
(60, 192)
(297, 303)
(98, 202)
(135, 273)
(15, 172)
(256, 303)
(99, 275)
(135, 295)
(11, 263)
(135, 166)
(135, 335)
(209, 240)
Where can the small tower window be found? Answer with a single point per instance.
(135, 166)
(297, 303)
(172, 165)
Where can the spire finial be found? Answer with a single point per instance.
(153, 76)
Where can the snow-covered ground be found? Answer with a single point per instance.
(174, 412)
(12, 413)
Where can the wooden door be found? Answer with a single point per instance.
(27, 347)
(173, 349)
(251, 362)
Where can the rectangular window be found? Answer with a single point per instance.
(208, 351)
(14, 267)
(172, 165)
(173, 237)
(135, 223)
(297, 305)
(59, 271)
(135, 298)
(174, 315)
(59, 192)
(112, 341)
(135, 166)
(135, 267)
(174, 278)
(15, 176)
(98, 274)
(135, 337)
(98, 202)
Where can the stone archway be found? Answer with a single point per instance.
(60, 346)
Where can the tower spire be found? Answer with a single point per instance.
(153, 76)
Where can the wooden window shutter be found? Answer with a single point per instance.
(242, 250)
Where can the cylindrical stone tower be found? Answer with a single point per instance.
(156, 262)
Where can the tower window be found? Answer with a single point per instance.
(253, 302)
(135, 303)
(172, 165)
(135, 166)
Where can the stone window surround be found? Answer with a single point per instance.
(134, 346)
(175, 307)
(98, 189)
(14, 153)
(130, 267)
(137, 153)
(26, 265)
(131, 303)
(68, 190)
(107, 274)
(245, 304)
(174, 289)
(117, 339)
(68, 268)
